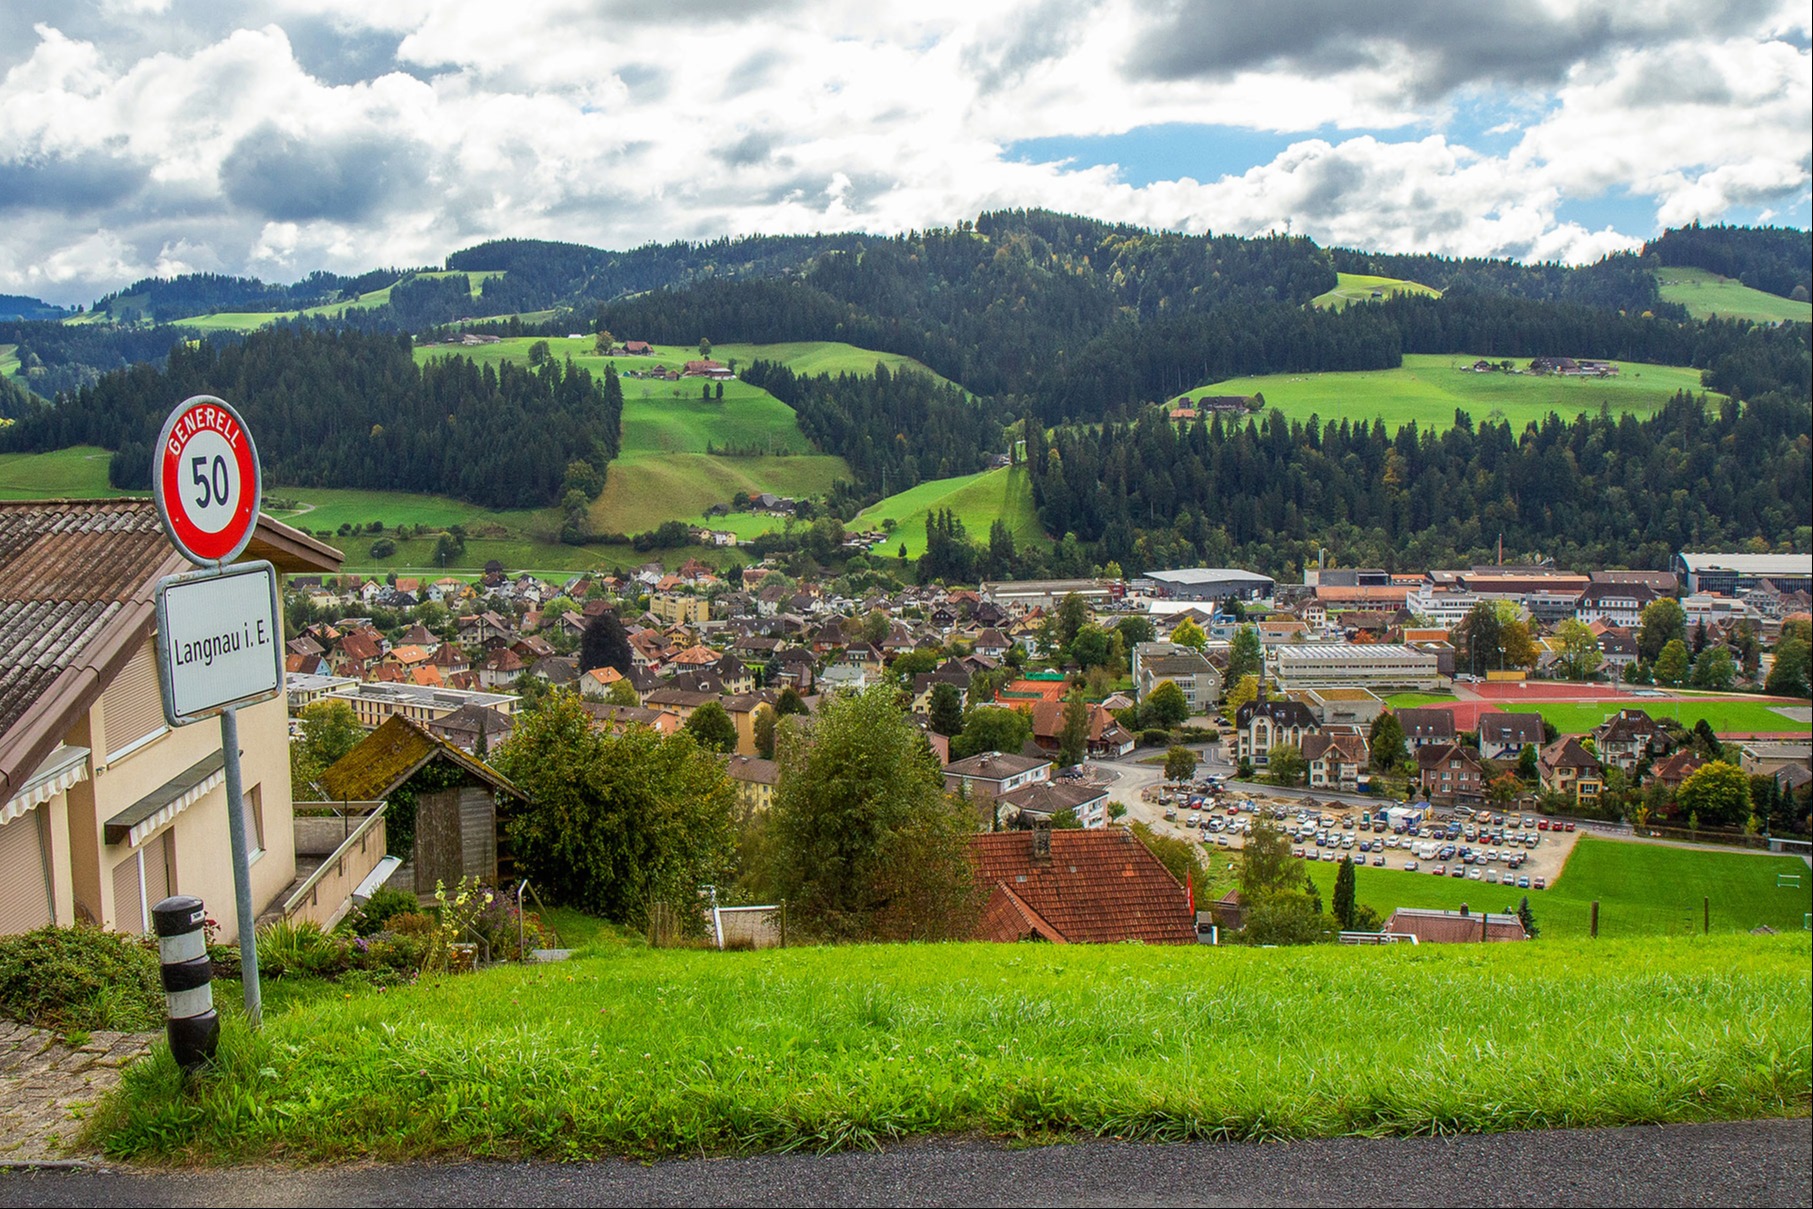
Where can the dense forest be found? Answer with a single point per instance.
(162, 299)
(1776, 260)
(895, 429)
(350, 409)
(1620, 282)
(57, 357)
(19, 306)
(1600, 490)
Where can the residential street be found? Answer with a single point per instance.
(1743, 1163)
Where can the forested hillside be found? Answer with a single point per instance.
(1775, 260)
(349, 409)
(162, 299)
(1621, 282)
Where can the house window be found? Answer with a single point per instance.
(253, 803)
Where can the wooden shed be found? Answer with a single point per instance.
(457, 828)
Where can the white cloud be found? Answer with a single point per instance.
(587, 121)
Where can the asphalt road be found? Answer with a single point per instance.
(1742, 1163)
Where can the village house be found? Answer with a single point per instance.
(1628, 738)
(1449, 774)
(1336, 760)
(1426, 727)
(1504, 736)
(984, 777)
(1568, 768)
(1077, 887)
(104, 808)
(755, 780)
(1267, 723)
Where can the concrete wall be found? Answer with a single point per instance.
(330, 897)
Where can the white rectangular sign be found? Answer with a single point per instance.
(219, 640)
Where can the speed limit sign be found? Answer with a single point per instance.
(206, 478)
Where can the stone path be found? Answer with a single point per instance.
(48, 1085)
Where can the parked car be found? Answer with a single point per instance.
(1541, 883)
(1378, 862)
(1410, 866)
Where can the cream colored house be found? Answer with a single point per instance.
(106, 809)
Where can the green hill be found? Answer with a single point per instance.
(978, 500)
(1361, 287)
(1428, 388)
(79, 472)
(247, 321)
(1706, 294)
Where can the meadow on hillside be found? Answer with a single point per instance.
(1361, 287)
(1428, 388)
(1705, 294)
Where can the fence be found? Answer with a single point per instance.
(715, 927)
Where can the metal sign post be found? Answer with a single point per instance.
(219, 640)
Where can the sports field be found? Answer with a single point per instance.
(1359, 287)
(1705, 293)
(1643, 889)
(1430, 388)
(1736, 716)
(975, 499)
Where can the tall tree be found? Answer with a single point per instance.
(1344, 905)
(1663, 621)
(1188, 633)
(711, 725)
(946, 709)
(1718, 793)
(615, 823)
(1073, 730)
(605, 643)
(866, 843)
(1671, 664)
(1580, 657)
(1386, 741)
(1164, 706)
(1245, 657)
(1180, 764)
(991, 728)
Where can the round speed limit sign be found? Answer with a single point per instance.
(206, 478)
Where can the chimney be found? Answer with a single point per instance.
(1041, 843)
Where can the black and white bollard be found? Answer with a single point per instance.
(194, 1026)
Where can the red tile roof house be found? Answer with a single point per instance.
(1448, 772)
(1077, 887)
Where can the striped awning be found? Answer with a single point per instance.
(138, 821)
(62, 768)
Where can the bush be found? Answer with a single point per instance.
(80, 978)
(376, 912)
(1155, 737)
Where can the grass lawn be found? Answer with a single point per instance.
(1704, 294)
(1642, 890)
(1414, 700)
(9, 360)
(1726, 715)
(976, 499)
(79, 472)
(646, 1053)
(1429, 388)
(1359, 287)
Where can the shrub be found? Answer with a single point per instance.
(413, 923)
(1155, 737)
(80, 978)
(371, 916)
(290, 947)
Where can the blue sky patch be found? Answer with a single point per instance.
(1174, 150)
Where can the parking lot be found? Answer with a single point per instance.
(1520, 849)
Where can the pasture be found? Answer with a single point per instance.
(1360, 287)
(1643, 890)
(247, 321)
(975, 499)
(79, 472)
(1430, 388)
(1705, 294)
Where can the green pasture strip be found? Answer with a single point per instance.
(1360, 287)
(1429, 388)
(79, 472)
(978, 500)
(1705, 294)
(1414, 700)
(646, 1053)
(1643, 890)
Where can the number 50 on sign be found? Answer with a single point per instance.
(208, 481)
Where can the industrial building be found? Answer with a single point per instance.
(1734, 574)
(1212, 583)
(1318, 665)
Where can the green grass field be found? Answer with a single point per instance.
(1726, 715)
(1415, 700)
(9, 361)
(1359, 287)
(1429, 388)
(79, 472)
(247, 321)
(1705, 293)
(1642, 889)
(639, 1052)
(976, 499)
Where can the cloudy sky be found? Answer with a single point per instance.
(275, 137)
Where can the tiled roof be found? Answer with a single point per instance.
(1451, 927)
(76, 584)
(1096, 887)
(1427, 723)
